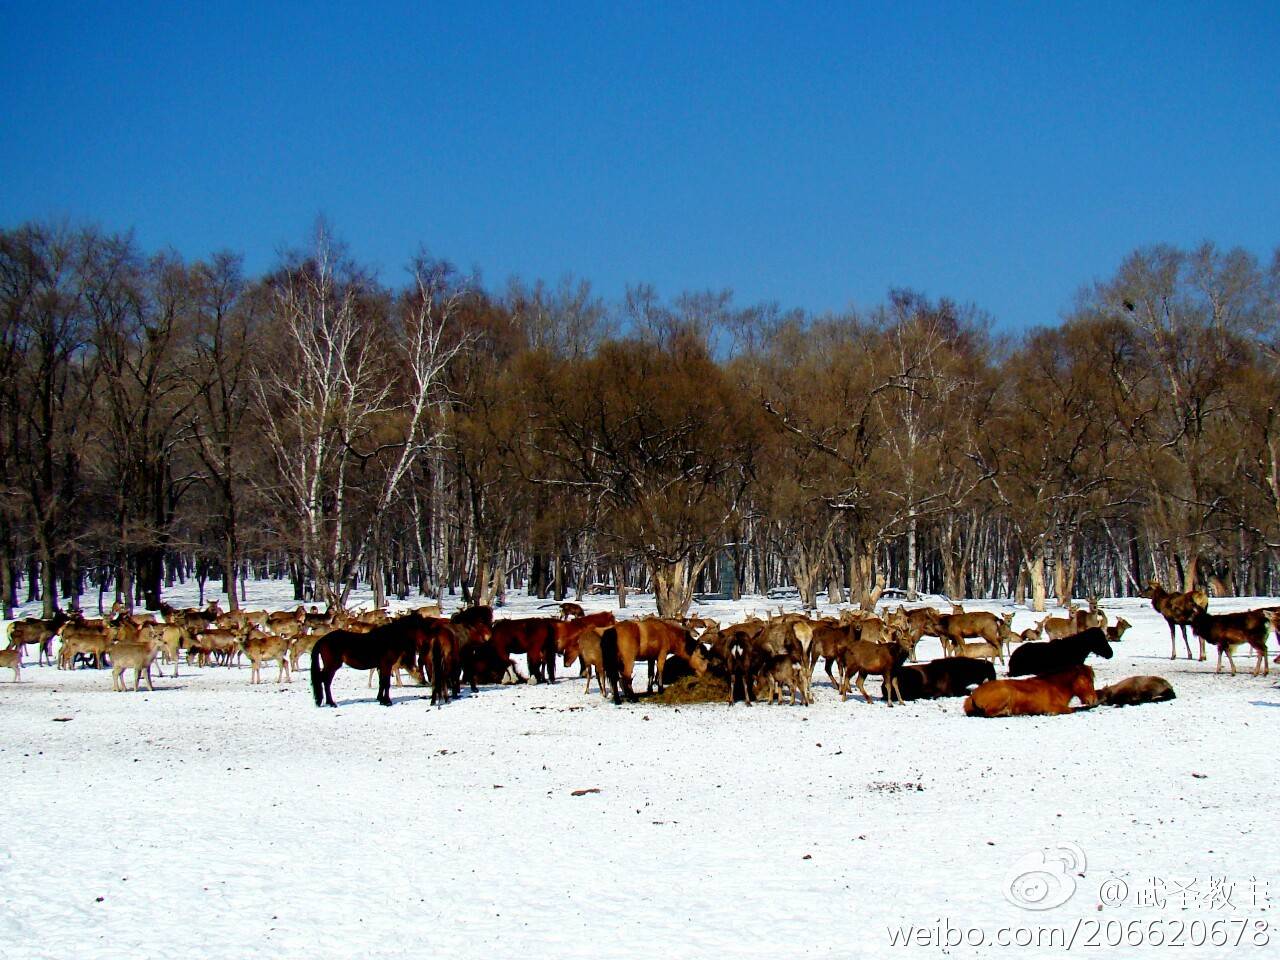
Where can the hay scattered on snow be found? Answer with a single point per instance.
(693, 689)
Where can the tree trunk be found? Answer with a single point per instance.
(538, 576)
(862, 569)
(835, 591)
(8, 597)
(499, 587)
(673, 585)
(483, 595)
(806, 570)
(1062, 591)
(48, 577)
(1035, 574)
(912, 574)
(620, 581)
(230, 549)
(378, 579)
(8, 591)
(1190, 569)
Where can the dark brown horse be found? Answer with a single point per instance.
(946, 677)
(534, 636)
(474, 617)
(446, 642)
(405, 639)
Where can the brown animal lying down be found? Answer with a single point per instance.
(1037, 696)
(1132, 691)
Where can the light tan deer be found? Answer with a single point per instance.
(127, 655)
(168, 641)
(1055, 628)
(12, 658)
(260, 646)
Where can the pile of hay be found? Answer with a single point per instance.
(707, 688)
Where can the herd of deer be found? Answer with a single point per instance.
(762, 658)
(129, 641)
(778, 656)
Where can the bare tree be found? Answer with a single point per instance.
(48, 409)
(344, 395)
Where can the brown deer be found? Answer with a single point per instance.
(83, 637)
(1116, 631)
(37, 632)
(1227, 630)
(12, 658)
(135, 656)
(259, 647)
(954, 628)
(862, 658)
(1095, 616)
(1178, 609)
(1055, 628)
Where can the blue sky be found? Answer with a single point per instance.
(812, 154)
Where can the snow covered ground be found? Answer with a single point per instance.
(213, 819)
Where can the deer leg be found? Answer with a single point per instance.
(862, 689)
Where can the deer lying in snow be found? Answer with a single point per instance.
(979, 651)
(1116, 631)
(1030, 635)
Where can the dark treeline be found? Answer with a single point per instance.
(166, 420)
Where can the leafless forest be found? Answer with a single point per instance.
(168, 420)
